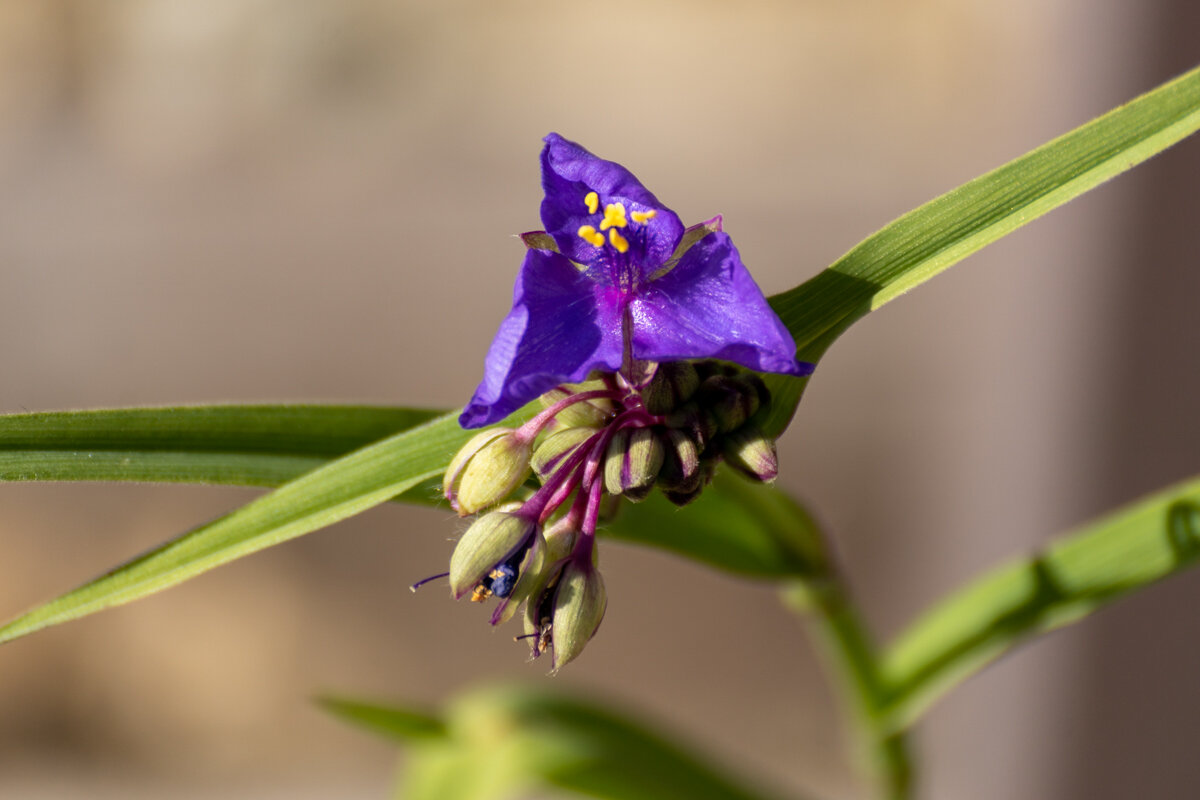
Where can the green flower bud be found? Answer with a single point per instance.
(579, 605)
(688, 492)
(614, 461)
(498, 542)
(592, 413)
(486, 470)
(632, 463)
(561, 536)
(673, 384)
(696, 421)
(751, 453)
(681, 463)
(753, 380)
(643, 461)
(555, 447)
(730, 400)
(564, 612)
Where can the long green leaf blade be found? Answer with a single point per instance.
(939, 234)
(1131, 548)
(319, 498)
(259, 445)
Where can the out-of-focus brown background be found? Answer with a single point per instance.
(244, 200)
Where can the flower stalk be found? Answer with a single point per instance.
(853, 660)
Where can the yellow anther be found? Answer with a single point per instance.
(614, 216)
(643, 216)
(592, 200)
(591, 235)
(618, 241)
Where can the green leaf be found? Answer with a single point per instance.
(262, 445)
(502, 742)
(401, 724)
(1006, 607)
(341, 488)
(939, 234)
(754, 530)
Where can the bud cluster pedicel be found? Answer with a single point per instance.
(641, 338)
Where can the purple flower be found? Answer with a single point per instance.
(625, 281)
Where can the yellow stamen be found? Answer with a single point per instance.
(618, 241)
(592, 200)
(591, 235)
(614, 216)
(643, 216)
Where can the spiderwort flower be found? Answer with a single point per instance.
(616, 291)
(623, 282)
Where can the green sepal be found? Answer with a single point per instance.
(643, 461)
(614, 461)
(487, 470)
(673, 384)
(555, 447)
(751, 453)
(579, 604)
(490, 540)
(592, 413)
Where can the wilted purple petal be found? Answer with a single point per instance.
(708, 306)
(556, 332)
(569, 173)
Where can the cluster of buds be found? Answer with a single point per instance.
(594, 443)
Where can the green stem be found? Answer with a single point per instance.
(852, 654)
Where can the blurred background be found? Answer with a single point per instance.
(312, 200)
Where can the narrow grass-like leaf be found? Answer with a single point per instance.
(260, 445)
(1129, 549)
(939, 234)
(505, 741)
(326, 495)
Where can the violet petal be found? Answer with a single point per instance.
(552, 335)
(708, 306)
(569, 173)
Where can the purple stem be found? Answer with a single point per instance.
(529, 431)
(547, 498)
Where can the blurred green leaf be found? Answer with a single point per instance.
(1008, 606)
(503, 742)
(330, 493)
(939, 234)
(754, 530)
(401, 724)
